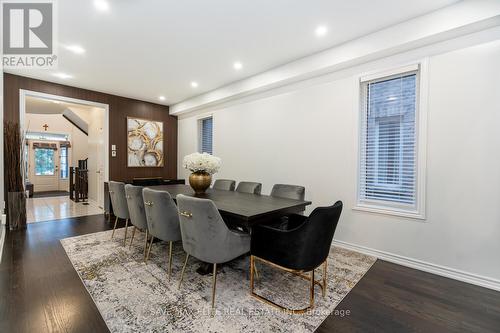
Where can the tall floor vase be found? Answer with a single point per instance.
(16, 210)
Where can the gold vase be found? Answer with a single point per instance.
(200, 181)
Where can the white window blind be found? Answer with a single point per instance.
(206, 127)
(388, 155)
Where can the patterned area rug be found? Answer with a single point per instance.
(136, 297)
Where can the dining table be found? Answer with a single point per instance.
(240, 210)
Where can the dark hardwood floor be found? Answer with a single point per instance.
(41, 292)
(394, 298)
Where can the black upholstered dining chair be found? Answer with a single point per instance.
(249, 187)
(137, 214)
(224, 184)
(119, 202)
(303, 247)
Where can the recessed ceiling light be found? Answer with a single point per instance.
(56, 102)
(162, 98)
(194, 84)
(238, 65)
(62, 75)
(321, 30)
(101, 5)
(75, 49)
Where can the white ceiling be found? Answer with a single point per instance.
(144, 49)
(36, 105)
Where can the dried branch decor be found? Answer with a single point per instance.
(16, 198)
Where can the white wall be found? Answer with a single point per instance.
(307, 134)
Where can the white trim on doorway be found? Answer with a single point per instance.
(22, 111)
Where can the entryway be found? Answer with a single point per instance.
(65, 152)
(58, 207)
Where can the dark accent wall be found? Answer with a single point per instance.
(119, 109)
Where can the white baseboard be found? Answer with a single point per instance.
(425, 266)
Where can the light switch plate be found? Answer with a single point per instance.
(113, 147)
(113, 153)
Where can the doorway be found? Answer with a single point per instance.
(65, 138)
(44, 166)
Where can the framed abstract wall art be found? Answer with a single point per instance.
(144, 143)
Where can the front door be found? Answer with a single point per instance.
(44, 166)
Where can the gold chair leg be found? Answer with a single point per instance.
(183, 268)
(252, 267)
(113, 233)
(311, 297)
(214, 283)
(126, 228)
(170, 260)
(256, 271)
(150, 246)
(132, 239)
(325, 268)
(145, 244)
(253, 259)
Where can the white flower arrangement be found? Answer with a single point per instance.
(197, 162)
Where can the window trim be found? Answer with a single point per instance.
(419, 213)
(200, 128)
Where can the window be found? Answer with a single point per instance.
(388, 167)
(63, 156)
(206, 127)
(44, 162)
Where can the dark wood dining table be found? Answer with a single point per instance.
(242, 209)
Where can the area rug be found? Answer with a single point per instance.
(136, 297)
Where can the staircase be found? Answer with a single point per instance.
(79, 182)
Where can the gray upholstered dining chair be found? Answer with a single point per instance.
(288, 191)
(120, 207)
(224, 184)
(249, 187)
(206, 237)
(162, 219)
(137, 214)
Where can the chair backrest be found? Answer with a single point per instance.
(288, 191)
(135, 205)
(204, 233)
(224, 184)
(317, 235)
(249, 187)
(118, 199)
(161, 215)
